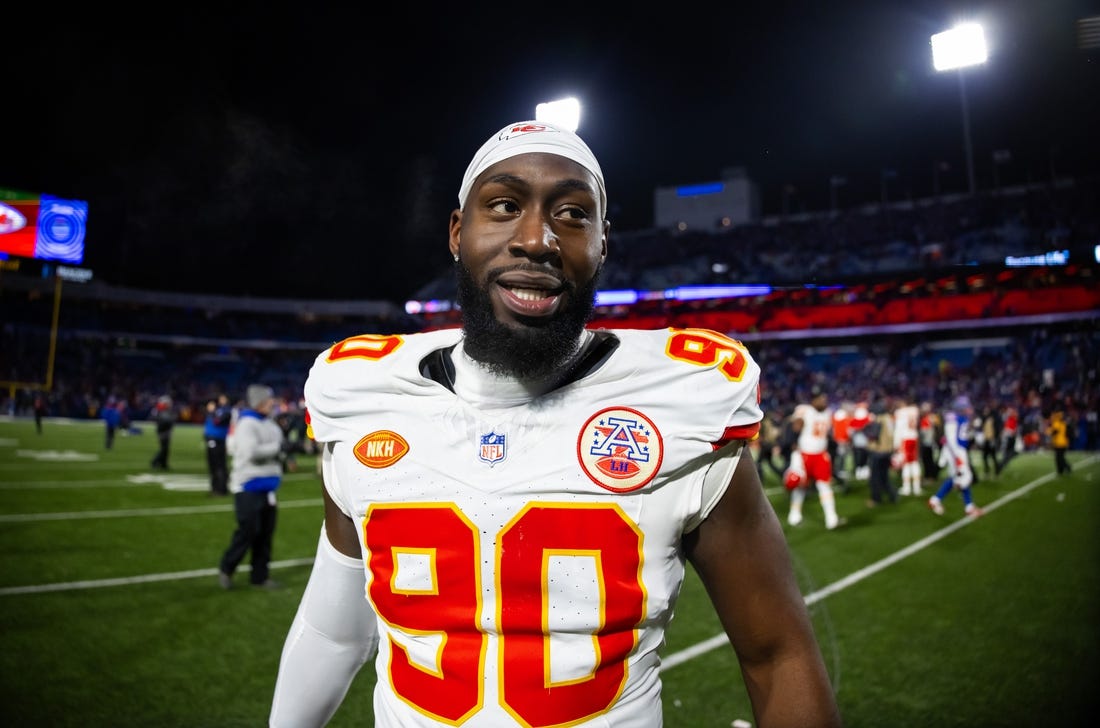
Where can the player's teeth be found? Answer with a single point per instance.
(527, 294)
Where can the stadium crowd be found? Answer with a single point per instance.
(910, 299)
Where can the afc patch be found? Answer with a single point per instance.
(493, 448)
(620, 449)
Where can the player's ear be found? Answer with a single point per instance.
(455, 233)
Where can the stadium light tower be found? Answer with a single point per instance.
(956, 49)
(563, 112)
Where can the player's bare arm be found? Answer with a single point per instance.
(741, 555)
(341, 530)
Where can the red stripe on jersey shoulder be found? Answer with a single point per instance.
(309, 426)
(740, 432)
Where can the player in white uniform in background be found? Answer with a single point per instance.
(955, 457)
(517, 500)
(813, 422)
(907, 445)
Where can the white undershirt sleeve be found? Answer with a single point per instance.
(717, 480)
(333, 634)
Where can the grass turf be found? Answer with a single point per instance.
(112, 615)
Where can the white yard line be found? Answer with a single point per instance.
(225, 506)
(672, 660)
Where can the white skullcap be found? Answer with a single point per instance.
(525, 137)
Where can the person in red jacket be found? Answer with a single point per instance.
(842, 446)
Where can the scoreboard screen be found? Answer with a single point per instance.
(41, 226)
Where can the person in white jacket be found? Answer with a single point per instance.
(256, 450)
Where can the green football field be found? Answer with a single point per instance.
(111, 614)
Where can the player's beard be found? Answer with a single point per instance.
(529, 352)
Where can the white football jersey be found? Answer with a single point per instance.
(906, 423)
(816, 425)
(523, 552)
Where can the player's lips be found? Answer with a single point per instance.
(529, 294)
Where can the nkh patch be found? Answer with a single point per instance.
(620, 449)
(380, 449)
(493, 448)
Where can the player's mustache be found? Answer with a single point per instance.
(563, 282)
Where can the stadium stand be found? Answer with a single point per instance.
(918, 295)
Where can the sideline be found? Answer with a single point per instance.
(713, 643)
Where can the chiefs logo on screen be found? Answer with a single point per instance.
(620, 449)
(11, 219)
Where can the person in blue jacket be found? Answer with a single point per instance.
(215, 431)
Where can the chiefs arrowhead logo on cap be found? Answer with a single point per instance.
(380, 449)
(518, 129)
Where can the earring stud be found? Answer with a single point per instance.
(456, 257)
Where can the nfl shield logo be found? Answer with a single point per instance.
(492, 448)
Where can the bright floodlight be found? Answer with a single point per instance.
(564, 112)
(963, 45)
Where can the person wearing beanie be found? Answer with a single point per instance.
(256, 451)
(510, 506)
(880, 448)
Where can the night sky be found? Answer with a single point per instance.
(315, 151)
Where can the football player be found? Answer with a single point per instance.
(907, 445)
(954, 456)
(509, 507)
(813, 422)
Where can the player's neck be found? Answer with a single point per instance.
(475, 383)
